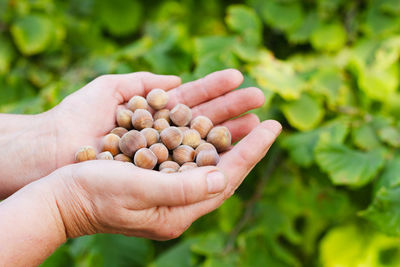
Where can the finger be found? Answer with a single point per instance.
(125, 86)
(241, 126)
(184, 188)
(230, 105)
(204, 89)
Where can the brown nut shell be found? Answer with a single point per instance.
(110, 143)
(202, 124)
(187, 166)
(207, 158)
(131, 142)
(120, 131)
(171, 137)
(168, 170)
(180, 115)
(145, 158)
(106, 155)
(160, 124)
(161, 152)
(204, 146)
(220, 137)
(124, 118)
(169, 164)
(162, 114)
(85, 153)
(151, 135)
(157, 98)
(122, 157)
(141, 119)
(191, 138)
(183, 128)
(137, 102)
(183, 154)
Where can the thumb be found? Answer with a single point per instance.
(183, 188)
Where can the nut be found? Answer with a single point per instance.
(191, 138)
(169, 165)
(141, 119)
(120, 131)
(145, 158)
(137, 102)
(124, 118)
(187, 166)
(161, 152)
(122, 157)
(202, 124)
(183, 154)
(160, 124)
(85, 153)
(168, 170)
(106, 155)
(151, 135)
(157, 98)
(181, 115)
(183, 128)
(207, 157)
(171, 137)
(220, 137)
(110, 143)
(131, 142)
(162, 114)
(204, 146)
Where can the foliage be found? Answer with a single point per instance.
(327, 195)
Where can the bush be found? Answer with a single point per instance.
(327, 194)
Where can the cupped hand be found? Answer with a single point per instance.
(118, 197)
(85, 116)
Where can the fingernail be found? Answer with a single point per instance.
(274, 126)
(216, 182)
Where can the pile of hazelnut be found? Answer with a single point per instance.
(169, 140)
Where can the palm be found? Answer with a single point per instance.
(89, 114)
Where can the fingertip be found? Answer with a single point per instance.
(235, 75)
(273, 126)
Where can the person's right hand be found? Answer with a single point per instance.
(118, 197)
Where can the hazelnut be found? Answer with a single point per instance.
(187, 166)
(157, 98)
(106, 155)
(85, 153)
(202, 124)
(207, 158)
(162, 114)
(151, 135)
(183, 128)
(169, 165)
(191, 138)
(220, 137)
(160, 124)
(204, 146)
(183, 154)
(131, 142)
(124, 118)
(161, 152)
(120, 131)
(145, 158)
(171, 137)
(110, 143)
(122, 157)
(168, 170)
(137, 102)
(141, 119)
(180, 115)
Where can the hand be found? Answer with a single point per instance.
(118, 197)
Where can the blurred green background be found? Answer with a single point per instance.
(327, 194)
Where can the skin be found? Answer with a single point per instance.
(110, 196)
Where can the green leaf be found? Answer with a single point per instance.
(178, 255)
(32, 34)
(302, 33)
(209, 244)
(304, 113)
(365, 137)
(229, 213)
(390, 135)
(120, 17)
(60, 258)
(329, 37)
(346, 166)
(7, 54)
(390, 176)
(245, 21)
